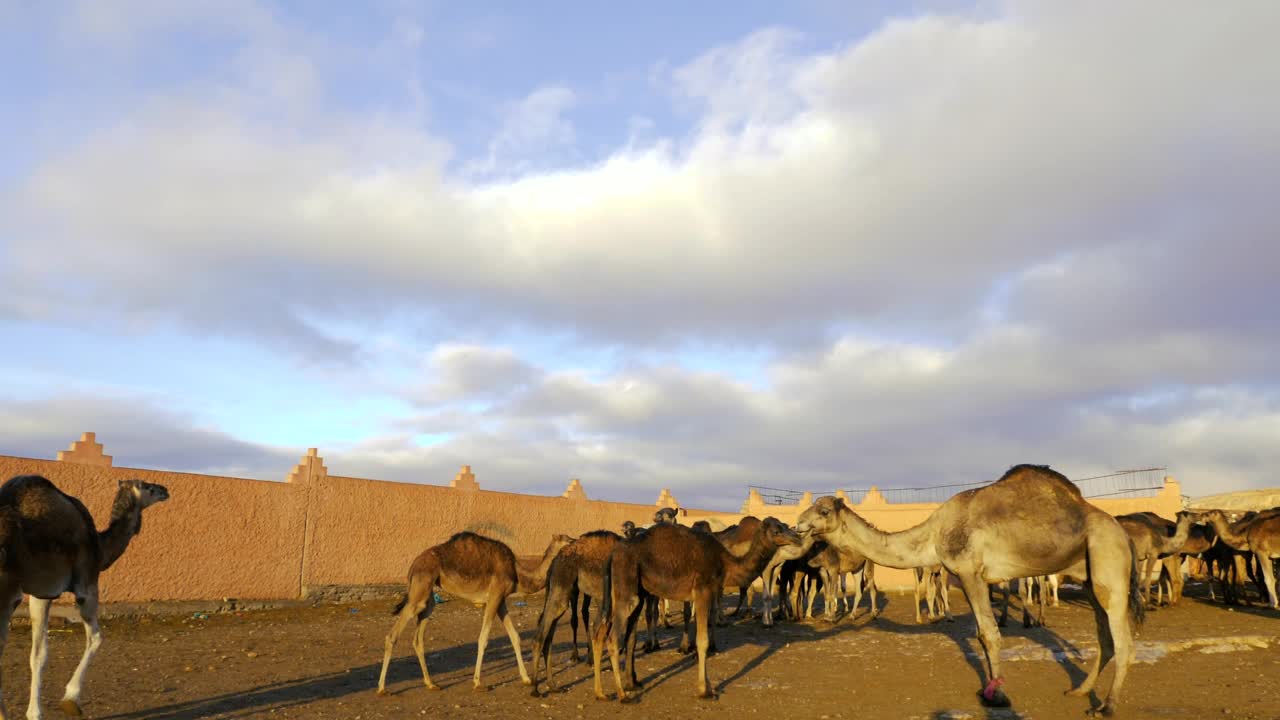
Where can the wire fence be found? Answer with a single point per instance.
(1143, 482)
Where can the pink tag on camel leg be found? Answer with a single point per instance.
(990, 691)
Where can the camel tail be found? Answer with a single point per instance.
(404, 600)
(1137, 608)
(606, 603)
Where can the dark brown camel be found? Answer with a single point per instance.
(578, 570)
(49, 546)
(673, 562)
(1032, 521)
(475, 568)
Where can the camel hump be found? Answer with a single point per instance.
(1039, 476)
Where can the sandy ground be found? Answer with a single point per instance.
(1197, 660)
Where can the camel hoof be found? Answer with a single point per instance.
(628, 699)
(708, 695)
(526, 681)
(683, 650)
(434, 687)
(382, 692)
(536, 693)
(479, 688)
(997, 700)
(1104, 711)
(71, 707)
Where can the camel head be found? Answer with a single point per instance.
(777, 533)
(666, 515)
(144, 493)
(821, 518)
(701, 526)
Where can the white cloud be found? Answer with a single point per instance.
(969, 241)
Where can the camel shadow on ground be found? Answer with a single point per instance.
(449, 667)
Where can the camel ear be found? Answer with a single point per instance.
(839, 503)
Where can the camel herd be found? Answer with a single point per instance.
(1031, 527)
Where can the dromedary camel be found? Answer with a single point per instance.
(1152, 542)
(474, 568)
(1032, 521)
(674, 562)
(832, 565)
(1259, 535)
(933, 583)
(48, 546)
(578, 569)
(770, 581)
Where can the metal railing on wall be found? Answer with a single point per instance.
(1143, 482)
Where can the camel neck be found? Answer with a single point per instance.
(740, 570)
(532, 578)
(126, 521)
(906, 549)
(1228, 534)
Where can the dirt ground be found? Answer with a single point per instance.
(1196, 660)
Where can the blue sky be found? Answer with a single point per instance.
(808, 245)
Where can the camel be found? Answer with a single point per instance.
(1259, 535)
(674, 562)
(933, 582)
(769, 578)
(1152, 542)
(49, 545)
(832, 566)
(475, 568)
(578, 569)
(1032, 521)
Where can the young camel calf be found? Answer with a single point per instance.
(475, 568)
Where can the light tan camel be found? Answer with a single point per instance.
(832, 565)
(933, 583)
(1032, 521)
(475, 568)
(1259, 535)
(1151, 542)
(680, 564)
(48, 546)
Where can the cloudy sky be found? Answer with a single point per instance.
(810, 245)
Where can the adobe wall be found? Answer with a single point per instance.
(225, 537)
(216, 537)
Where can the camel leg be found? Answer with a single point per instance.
(1268, 577)
(633, 632)
(979, 595)
(490, 610)
(859, 581)
(869, 579)
(39, 610)
(915, 593)
(1106, 646)
(507, 622)
(686, 636)
(573, 627)
(1004, 612)
(767, 580)
(558, 600)
(702, 615)
(92, 640)
(420, 645)
(586, 619)
(829, 588)
(651, 622)
(944, 584)
(11, 599)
